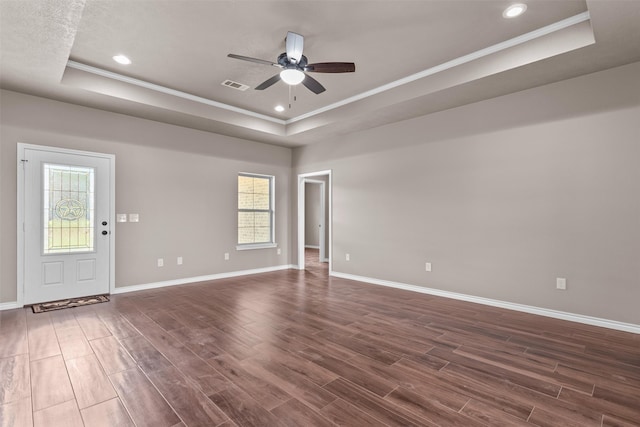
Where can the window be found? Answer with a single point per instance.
(255, 211)
(69, 198)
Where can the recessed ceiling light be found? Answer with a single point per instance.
(279, 108)
(121, 59)
(514, 10)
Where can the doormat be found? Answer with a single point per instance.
(68, 303)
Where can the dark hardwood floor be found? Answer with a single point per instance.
(297, 348)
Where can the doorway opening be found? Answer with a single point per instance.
(314, 220)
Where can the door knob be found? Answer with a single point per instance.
(105, 232)
(104, 222)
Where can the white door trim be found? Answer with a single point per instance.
(302, 178)
(21, 210)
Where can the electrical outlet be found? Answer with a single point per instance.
(226, 256)
(427, 266)
(179, 260)
(347, 257)
(561, 283)
(160, 262)
(279, 251)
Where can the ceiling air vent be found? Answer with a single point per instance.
(234, 85)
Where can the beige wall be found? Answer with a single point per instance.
(182, 182)
(502, 197)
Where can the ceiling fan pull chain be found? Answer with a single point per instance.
(292, 96)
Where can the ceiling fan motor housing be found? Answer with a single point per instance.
(284, 61)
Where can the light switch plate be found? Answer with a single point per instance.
(121, 217)
(134, 218)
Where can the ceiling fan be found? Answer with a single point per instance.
(295, 66)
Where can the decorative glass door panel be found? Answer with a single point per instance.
(68, 209)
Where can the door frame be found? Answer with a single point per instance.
(21, 210)
(302, 178)
(321, 235)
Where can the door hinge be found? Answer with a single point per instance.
(24, 162)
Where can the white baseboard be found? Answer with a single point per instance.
(185, 281)
(9, 305)
(579, 318)
(311, 247)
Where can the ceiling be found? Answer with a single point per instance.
(412, 57)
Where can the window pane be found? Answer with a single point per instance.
(261, 201)
(262, 219)
(68, 209)
(245, 201)
(245, 235)
(245, 184)
(246, 219)
(261, 185)
(262, 235)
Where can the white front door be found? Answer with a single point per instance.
(67, 223)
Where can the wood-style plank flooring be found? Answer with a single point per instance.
(295, 348)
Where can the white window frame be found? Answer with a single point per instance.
(272, 211)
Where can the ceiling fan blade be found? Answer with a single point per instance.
(267, 83)
(256, 60)
(313, 85)
(331, 67)
(295, 45)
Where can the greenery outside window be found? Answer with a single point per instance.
(255, 211)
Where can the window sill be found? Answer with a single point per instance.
(256, 246)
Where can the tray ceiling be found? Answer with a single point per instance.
(407, 53)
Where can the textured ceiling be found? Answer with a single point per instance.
(408, 55)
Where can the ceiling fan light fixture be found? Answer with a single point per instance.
(291, 76)
(514, 10)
